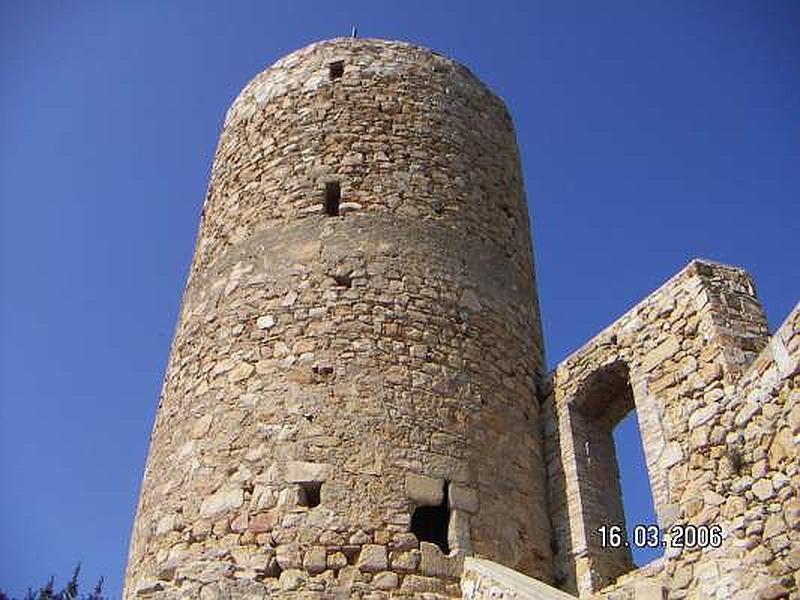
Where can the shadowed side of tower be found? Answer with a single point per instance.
(351, 402)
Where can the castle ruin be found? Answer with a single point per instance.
(357, 405)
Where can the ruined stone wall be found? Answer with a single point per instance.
(332, 373)
(751, 483)
(717, 405)
(675, 358)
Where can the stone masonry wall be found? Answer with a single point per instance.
(717, 404)
(675, 358)
(751, 483)
(750, 488)
(330, 374)
(746, 481)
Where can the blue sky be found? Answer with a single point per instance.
(650, 132)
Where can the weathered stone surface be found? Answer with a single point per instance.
(291, 579)
(148, 586)
(221, 502)
(469, 299)
(241, 372)
(373, 558)
(405, 562)
(763, 489)
(658, 355)
(315, 560)
(463, 498)
(385, 580)
(791, 512)
(337, 560)
(265, 322)
(201, 426)
(288, 556)
(415, 584)
(306, 472)
(459, 535)
(423, 490)
(263, 522)
(436, 564)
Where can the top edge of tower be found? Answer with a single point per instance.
(306, 69)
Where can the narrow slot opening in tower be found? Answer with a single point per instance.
(310, 494)
(429, 523)
(333, 194)
(336, 69)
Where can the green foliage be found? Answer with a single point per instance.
(70, 591)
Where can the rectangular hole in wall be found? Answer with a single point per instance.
(430, 523)
(336, 69)
(333, 194)
(310, 494)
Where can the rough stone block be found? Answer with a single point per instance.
(265, 322)
(372, 558)
(315, 560)
(405, 562)
(458, 532)
(763, 489)
(791, 512)
(221, 502)
(659, 354)
(288, 556)
(424, 490)
(436, 564)
(348, 575)
(416, 584)
(337, 560)
(263, 522)
(148, 586)
(404, 541)
(201, 426)
(306, 472)
(463, 498)
(241, 372)
(291, 579)
(385, 580)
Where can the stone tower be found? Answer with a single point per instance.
(351, 404)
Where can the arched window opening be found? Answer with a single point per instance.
(602, 402)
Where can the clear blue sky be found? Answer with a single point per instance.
(651, 133)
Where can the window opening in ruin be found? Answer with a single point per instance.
(637, 497)
(429, 523)
(336, 69)
(309, 494)
(333, 194)
(604, 398)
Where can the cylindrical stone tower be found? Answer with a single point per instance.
(350, 404)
